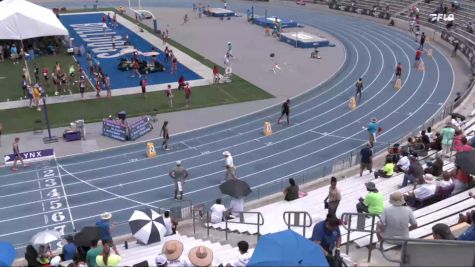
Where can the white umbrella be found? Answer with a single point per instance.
(45, 237)
(147, 226)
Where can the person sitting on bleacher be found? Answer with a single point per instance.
(218, 212)
(461, 180)
(292, 191)
(413, 173)
(435, 167)
(395, 219)
(463, 145)
(173, 250)
(424, 191)
(403, 163)
(373, 203)
(469, 234)
(387, 170)
(436, 143)
(441, 231)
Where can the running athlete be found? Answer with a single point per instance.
(359, 88)
(398, 70)
(164, 134)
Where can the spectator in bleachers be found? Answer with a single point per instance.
(469, 234)
(106, 258)
(423, 192)
(436, 143)
(161, 260)
(200, 256)
(173, 250)
(446, 180)
(464, 146)
(395, 219)
(461, 180)
(441, 231)
(292, 191)
(403, 163)
(327, 234)
(435, 167)
(218, 211)
(170, 224)
(333, 198)
(466, 218)
(44, 254)
(425, 139)
(366, 161)
(31, 256)
(387, 170)
(243, 257)
(373, 203)
(70, 249)
(92, 253)
(106, 226)
(413, 173)
(457, 143)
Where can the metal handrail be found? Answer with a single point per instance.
(404, 241)
(296, 216)
(359, 228)
(260, 221)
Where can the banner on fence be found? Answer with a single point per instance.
(31, 156)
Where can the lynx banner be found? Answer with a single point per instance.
(31, 156)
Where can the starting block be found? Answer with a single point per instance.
(267, 129)
(352, 103)
(429, 53)
(151, 152)
(398, 84)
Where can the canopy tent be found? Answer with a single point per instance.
(20, 20)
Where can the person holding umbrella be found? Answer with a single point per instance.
(179, 174)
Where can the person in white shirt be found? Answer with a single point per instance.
(236, 205)
(446, 182)
(169, 224)
(403, 163)
(243, 258)
(217, 211)
(424, 191)
(229, 165)
(173, 250)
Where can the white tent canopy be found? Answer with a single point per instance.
(20, 20)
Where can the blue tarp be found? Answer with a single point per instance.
(7, 254)
(287, 248)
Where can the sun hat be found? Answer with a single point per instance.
(161, 259)
(226, 153)
(106, 216)
(396, 199)
(178, 163)
(370, 186)
(374, 119)
(172, 249)
(201, 256)
(429, 178)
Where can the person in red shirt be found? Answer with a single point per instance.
(143, 84)
(418, 57)
(187, 94)
(181, 82)
(398, 70)
(215, 74)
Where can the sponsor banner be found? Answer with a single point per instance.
(139, 128)
(114, 130)
(465, 47)
(31, 156)
(362, 11)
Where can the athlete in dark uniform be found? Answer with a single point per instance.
(17, 155)
(285, 111)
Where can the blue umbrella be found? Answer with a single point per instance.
(287, 248)
(7, 254)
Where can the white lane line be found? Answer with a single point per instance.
(65, 196)
(339, 136)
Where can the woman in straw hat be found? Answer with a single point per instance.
(172, 249)
(200, 256)
(395, 219)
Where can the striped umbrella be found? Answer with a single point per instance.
(147, 226)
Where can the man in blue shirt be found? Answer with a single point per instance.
(105, 225)
(327, 234)
(372, 131)
(469, 234)
(69, 250)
